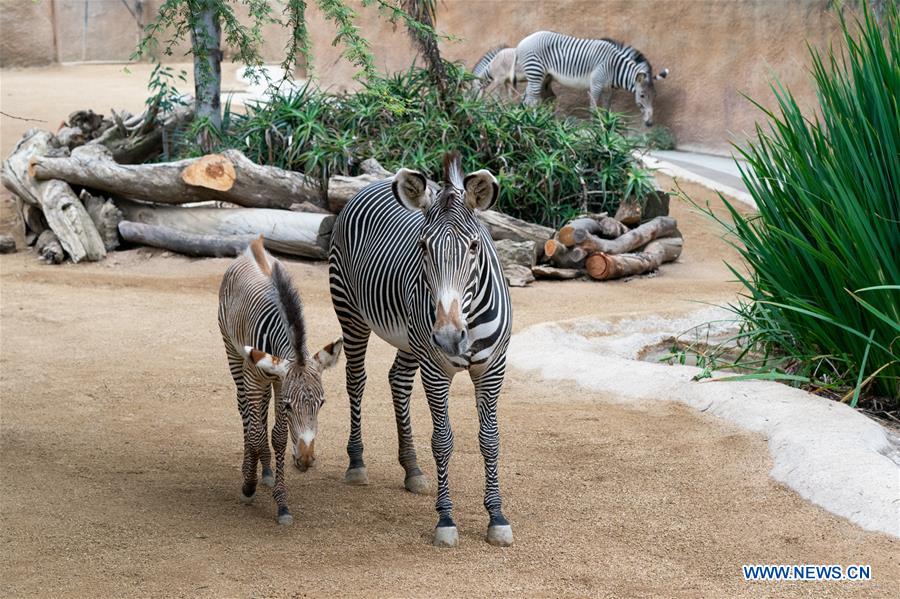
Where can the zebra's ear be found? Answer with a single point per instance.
(662, 74)
(328, 355)
(411, 189)
(272, 365)
(481, 189)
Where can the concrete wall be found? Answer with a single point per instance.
(715, 49)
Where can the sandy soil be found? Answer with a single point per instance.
(121, 460)
(120, 446)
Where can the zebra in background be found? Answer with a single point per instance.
(261, 320)
(420, 270)
(498, 68)
(595, 65)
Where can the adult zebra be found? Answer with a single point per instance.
(421, 271)
(595, 65)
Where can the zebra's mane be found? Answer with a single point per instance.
(630, 52)
(453, 174)
(291, 309)
(481, 66)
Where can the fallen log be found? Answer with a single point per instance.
(62, 210)
(253, 186)
(189, 244)
(629, 213)
(143, 136)
(370, 166)
(341, 189)
(562, 256)
(71, 222)
(519, 253)
(47, 245)
(503, 226)
(517, 275)
(660, 226)
(578, 230)
(296, 233)
(542, 271)
(106, 218)
(603, 267)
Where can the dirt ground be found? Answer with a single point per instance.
(120, 448)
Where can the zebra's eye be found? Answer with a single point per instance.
(423, 247)
(473, 247)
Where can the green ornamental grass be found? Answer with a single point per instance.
(823, 290)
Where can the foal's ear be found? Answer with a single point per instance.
(328, 355)
(411, 189)
(272, 365)
(481, 189)
(662, 74)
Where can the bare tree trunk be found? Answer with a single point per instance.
(423, 11)
(206, 38)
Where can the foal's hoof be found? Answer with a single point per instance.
(445, 536)
(247, 499)
(417, 484)
(356, 476)
(267, 478)
(500, 535)
(284, 517)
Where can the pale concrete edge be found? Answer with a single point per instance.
(827, 452)
(678, 172)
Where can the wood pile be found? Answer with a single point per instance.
(84, 190)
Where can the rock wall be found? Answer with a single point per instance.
(715, 49)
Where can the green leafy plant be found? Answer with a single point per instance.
(823, 252)
(549, 169)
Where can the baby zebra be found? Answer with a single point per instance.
(261, 320)
(498, 68)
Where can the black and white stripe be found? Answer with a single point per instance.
(389, 268)
(596, 65)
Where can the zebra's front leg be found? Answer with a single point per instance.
(401, 378)
(437, 390)
(487, 390)
(265, 455)
(279, 442)
(254, 433)
(356, 339)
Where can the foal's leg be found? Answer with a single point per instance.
(437, 390)
(401, 380)
(236, 365)
(279, 442)
(487, 390)
(265, 455)
(256, 391)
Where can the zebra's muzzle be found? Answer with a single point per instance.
(305, 455)
(451, 341)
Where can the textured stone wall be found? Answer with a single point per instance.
(716, 49)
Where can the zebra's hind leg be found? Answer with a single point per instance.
(265, 455)
(487, 390)
(401, 380)
(437, 390)
(356, 339)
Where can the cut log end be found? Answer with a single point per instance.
(213, 171)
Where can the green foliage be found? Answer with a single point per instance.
(823, 293)
(549, 169)
(657, 137)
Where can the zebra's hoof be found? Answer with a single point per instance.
(267, 478)
(285, 519)
(356, 476)
(445, 536)
(417, 484)
(247, 500)
(500, 535)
